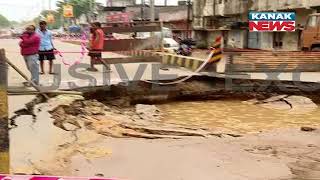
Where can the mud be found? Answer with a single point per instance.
(121, 123)
(120, 132)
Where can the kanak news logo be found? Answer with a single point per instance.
(272, 21)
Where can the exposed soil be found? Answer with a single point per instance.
(120, 128)
(121, 123)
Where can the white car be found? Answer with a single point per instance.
(170, 45)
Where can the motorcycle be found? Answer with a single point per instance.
(185, 48)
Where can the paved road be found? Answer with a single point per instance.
(15, 80)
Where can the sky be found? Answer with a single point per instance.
(19, 10)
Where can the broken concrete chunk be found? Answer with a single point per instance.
(147, 112)
(296, 104)
(274, 98)
(69, 127)
(97, 110)
(276, 105)
(300, 102)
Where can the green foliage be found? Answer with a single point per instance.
(14, 23)
(4, 22)
(80, 7)
(57, 24)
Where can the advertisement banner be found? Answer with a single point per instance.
(68, 11)
(272, 21)
(119, 18)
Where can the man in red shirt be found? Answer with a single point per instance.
(96, 45)
(30, 43)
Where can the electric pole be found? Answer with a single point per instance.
(189, 18)
(142, 10)
(152, 11)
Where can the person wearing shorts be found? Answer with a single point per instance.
(46, 50)
(96, 45)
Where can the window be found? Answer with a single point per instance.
(312, 21)
(278, 40)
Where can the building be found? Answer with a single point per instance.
(213, 18)
(120, 3)
(178, 19)
(174, 17)
(103, 12)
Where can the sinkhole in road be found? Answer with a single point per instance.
(198, 108)
(201, 106)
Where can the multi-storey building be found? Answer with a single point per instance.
(229, 18)
(120, 3)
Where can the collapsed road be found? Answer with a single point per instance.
(110, 129)
(256, 130)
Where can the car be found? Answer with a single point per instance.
(170, 45)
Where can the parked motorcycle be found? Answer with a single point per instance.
(185, 47)
(184, 50)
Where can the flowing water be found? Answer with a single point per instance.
(235, 116)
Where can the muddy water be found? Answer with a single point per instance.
(235, 116)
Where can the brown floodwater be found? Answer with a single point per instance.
(235, 116)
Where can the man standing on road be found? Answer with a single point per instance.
(96, 45)
(46, 50)
(29, 50)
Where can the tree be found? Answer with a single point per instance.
(57, 23)
(4, 22)
(14, 23)
(80, 7)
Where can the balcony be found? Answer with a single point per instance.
(272, 5)
(313, 3)
(290, 4)
(233, 7)
(198, 23)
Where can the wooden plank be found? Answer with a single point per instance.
(32, 92)
(4, 124)
(128, 29)
(126, 60)
(131, 44)
(26, 78)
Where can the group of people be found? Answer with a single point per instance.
(37, 46)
